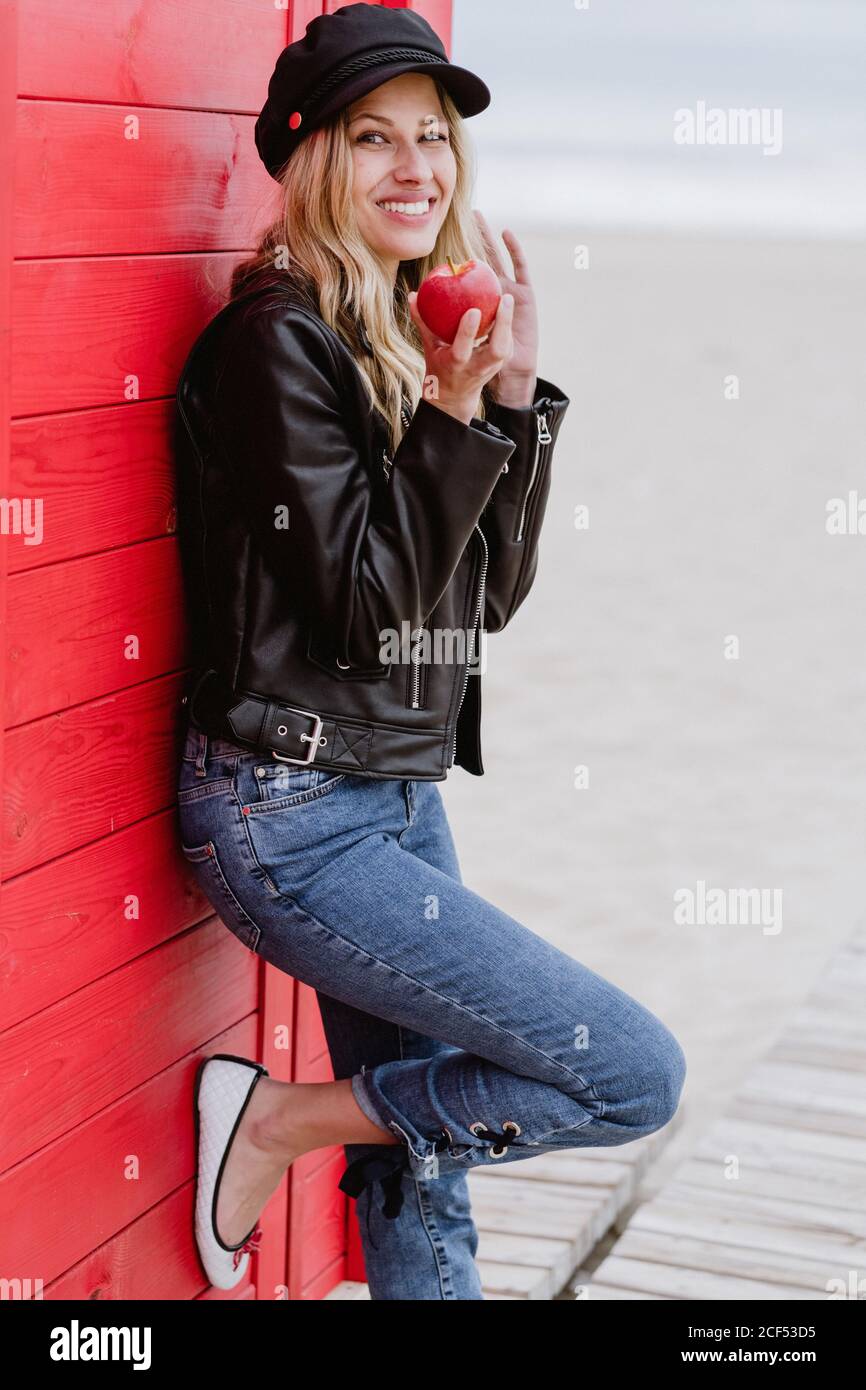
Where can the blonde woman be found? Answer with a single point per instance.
(346, 479)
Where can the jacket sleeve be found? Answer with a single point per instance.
(357, 558)
(513, 516)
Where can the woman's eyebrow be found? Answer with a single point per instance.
(422, 120)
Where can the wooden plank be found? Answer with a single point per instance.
(667, 1281)
(849, 1025)
(216, 54)
(570, 1165)
(824, 1048)
(818, 1087)
(814, 1189)
(514, 1281)
(842, 998)
(103, 478)
(775, 1111)
(109, 330)
(8, 76)
(90, 912)
(552, 1260)
(349, 1290)
(754, 1137)
(738, 1261)
(67, 1063)
(136, 179)
(318, 1224)
(79, 1190)
(600, 1292)
(97, 745)
(720, 1223)
(154, 1258)
(553, 1212)
(124, 622)
(766, 1207)
(275, 1051)
(318, 1206)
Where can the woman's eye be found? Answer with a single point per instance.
(426, 139)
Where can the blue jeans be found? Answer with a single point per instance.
(466, 1035)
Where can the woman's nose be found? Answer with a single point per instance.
(413, 163)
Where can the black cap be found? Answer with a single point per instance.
(342, 56)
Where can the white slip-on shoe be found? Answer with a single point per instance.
(223, 1087)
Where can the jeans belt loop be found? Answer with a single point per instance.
(201, 756)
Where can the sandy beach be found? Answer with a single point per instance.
(707, 520)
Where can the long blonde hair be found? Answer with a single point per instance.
(314, 244)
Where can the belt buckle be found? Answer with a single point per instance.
(312, 739)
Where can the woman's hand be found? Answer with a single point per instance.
(515, 383)
(460, 369)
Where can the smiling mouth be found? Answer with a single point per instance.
(405, 210)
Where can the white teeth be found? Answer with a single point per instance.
(411, 209)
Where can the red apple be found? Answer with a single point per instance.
(450, 290)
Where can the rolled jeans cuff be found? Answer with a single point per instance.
(359, 1091)
(422, 1153)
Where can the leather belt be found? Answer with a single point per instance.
(292, 734)
(314, 738)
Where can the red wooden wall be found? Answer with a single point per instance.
(129, 188)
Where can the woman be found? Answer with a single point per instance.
(345, 474)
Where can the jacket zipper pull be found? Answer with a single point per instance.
(544, 437)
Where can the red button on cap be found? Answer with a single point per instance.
(295, 120)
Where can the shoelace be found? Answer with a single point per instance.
(482, 1131)
(387, 1168)
(251, 1244)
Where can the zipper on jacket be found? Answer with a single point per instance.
(386, 461)
(478, 604)
(414, 700)
(543, 439)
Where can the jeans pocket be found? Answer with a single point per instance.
(277, 793)
(209, 875)
(275, 781)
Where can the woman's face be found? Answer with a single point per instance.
(402, 154)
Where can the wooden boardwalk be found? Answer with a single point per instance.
(538, 1219)
(772, 1204)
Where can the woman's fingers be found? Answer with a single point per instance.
(494, 260)
(427, 337)
(474, 366)
(464, 339)
(518, 257)
(499, 343)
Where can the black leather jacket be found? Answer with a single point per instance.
(303, 544)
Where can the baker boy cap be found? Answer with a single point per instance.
(341, 57)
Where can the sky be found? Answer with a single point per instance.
(580, 131)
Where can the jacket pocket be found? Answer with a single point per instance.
(320, 650)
